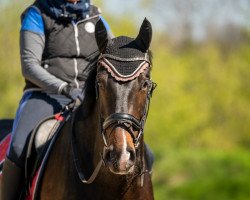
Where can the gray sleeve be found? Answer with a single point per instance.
(31, 50)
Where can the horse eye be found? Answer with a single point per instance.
(144, 85)
(100, 84)
(101, 80)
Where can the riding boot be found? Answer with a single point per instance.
(12, 181)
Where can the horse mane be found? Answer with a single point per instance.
(90, 94)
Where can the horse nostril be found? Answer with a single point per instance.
(132, 155)
(107, 156)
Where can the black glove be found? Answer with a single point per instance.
(73, 93)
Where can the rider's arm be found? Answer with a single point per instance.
(32, 41)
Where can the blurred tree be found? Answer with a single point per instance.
(190, 19)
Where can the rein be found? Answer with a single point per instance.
(77, 160)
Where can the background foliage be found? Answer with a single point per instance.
(199, 121)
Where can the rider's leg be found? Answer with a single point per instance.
(33, 107)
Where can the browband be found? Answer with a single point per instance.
(145, 58)
(135, 66)
(118, 76)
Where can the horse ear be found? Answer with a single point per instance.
(145, 35)
(101, 36)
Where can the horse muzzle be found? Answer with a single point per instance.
(120, 145)
(119, 161)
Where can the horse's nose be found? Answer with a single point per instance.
(120, 161)
(131, 153)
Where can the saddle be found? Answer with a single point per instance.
(41, 142)
(5, 129)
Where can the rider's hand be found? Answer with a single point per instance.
(73, 93)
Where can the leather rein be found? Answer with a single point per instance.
(125, 120)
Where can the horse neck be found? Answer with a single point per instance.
(87, 131)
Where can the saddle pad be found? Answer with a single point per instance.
(33, 186)
(39, 167)
(4, 145)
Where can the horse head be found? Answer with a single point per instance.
(124, 88)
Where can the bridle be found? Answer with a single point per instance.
(126, 120)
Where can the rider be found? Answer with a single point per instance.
(58, 48)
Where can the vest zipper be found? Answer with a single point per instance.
(75, 25)
(78, 47)
(78, 52)
(76, 38)
(76, 73)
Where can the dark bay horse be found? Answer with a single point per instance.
(104, 139)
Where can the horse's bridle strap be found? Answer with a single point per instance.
(145, 58)
(76, 158)
(120, 118)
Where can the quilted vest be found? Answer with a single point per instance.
(70, 51)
